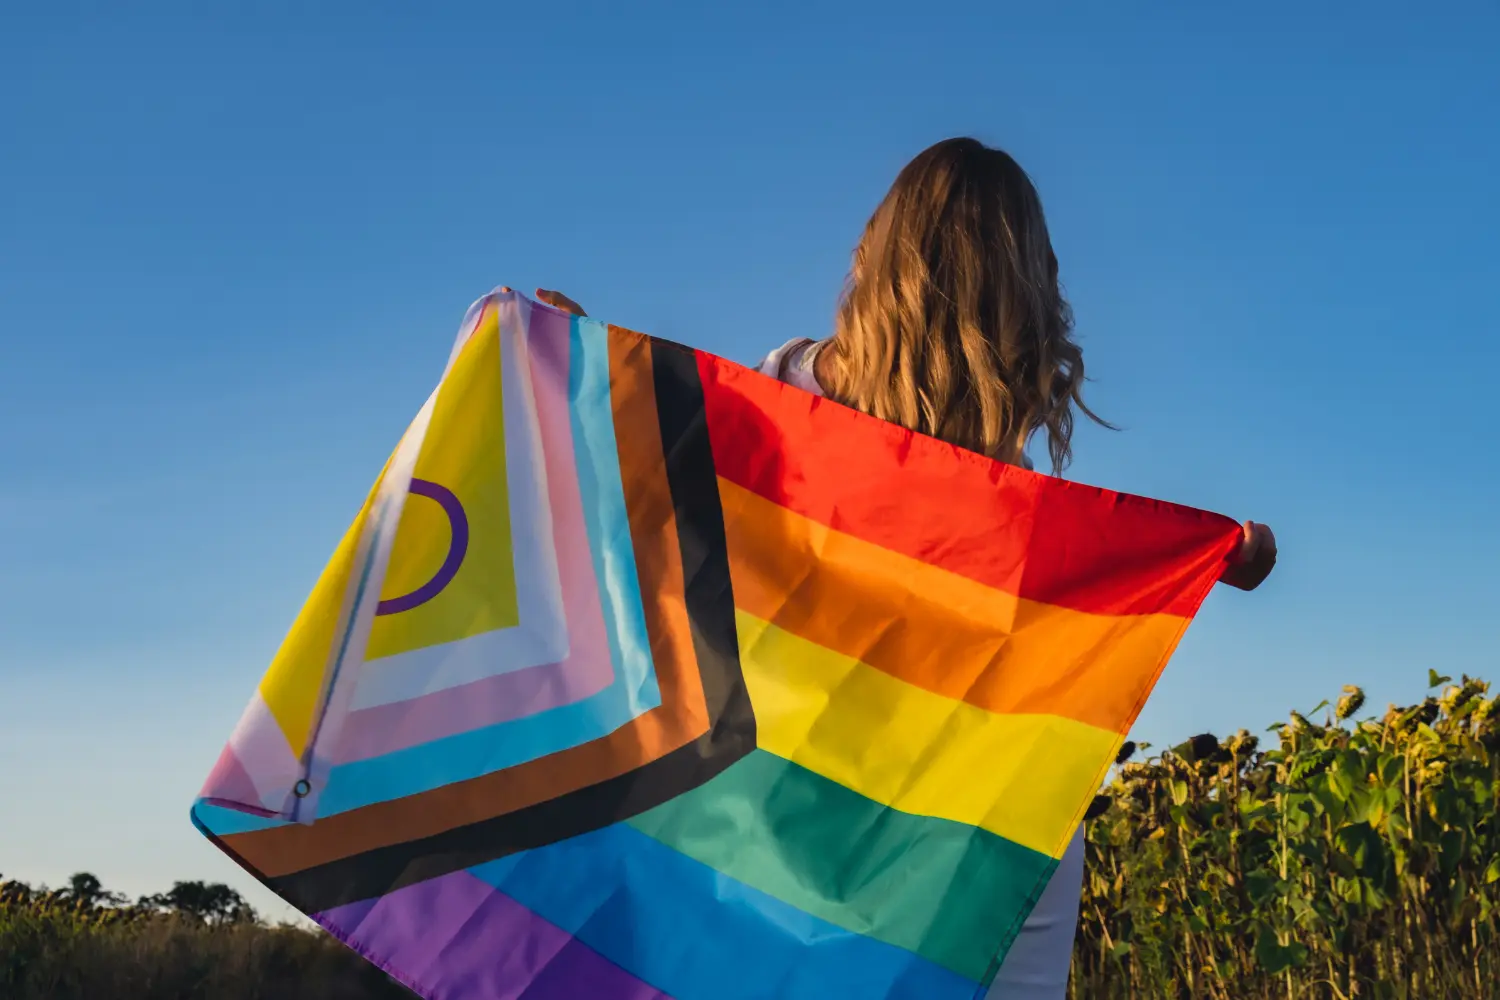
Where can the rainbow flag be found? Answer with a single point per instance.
(642, 675)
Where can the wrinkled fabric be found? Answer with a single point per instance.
(1036, 967)
(642, 676)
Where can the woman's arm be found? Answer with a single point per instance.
(557, 300)
(560, 301)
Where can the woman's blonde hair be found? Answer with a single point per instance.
(952, 322)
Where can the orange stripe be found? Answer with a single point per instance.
(681, 718)
(653, 531)
(936, 629)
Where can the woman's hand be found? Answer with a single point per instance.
(557, 300)
(560, 301)
(1254, 560)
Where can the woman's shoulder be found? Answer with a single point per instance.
(783, 357)
(792, 362)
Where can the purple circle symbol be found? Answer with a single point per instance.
(458, 521)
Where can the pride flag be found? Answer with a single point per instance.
(642, 675)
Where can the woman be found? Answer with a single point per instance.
(953, 324)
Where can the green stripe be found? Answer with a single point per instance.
(954, 894)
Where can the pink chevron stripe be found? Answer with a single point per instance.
(229, 781)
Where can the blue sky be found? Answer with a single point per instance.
(234, 247)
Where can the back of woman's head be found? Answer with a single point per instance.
(953, 323)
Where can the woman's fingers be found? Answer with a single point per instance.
(1254, 560)
(555, 299)
(1268, 540)
(1250, 543)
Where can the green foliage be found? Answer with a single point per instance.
(197, 942)
(213, 903)
(1357, 859)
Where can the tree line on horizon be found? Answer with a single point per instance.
(212, 902)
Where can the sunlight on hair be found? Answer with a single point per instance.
(952, 322)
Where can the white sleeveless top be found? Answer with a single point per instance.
(1037, 966)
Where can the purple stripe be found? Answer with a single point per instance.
(579, 971)
(457, 938)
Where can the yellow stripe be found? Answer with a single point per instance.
(1025, 777)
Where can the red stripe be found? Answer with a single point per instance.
(1041, 538)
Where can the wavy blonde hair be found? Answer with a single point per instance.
(952, 322)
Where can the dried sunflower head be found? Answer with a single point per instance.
(1205, 745)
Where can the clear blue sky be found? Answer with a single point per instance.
(234, 248)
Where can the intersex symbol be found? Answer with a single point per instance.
(458, 523)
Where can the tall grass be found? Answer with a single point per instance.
(1357, 859)
(58, 949)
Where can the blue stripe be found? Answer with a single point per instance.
(699, 935)
(597, 457)
(222, 822)
(479, 751)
